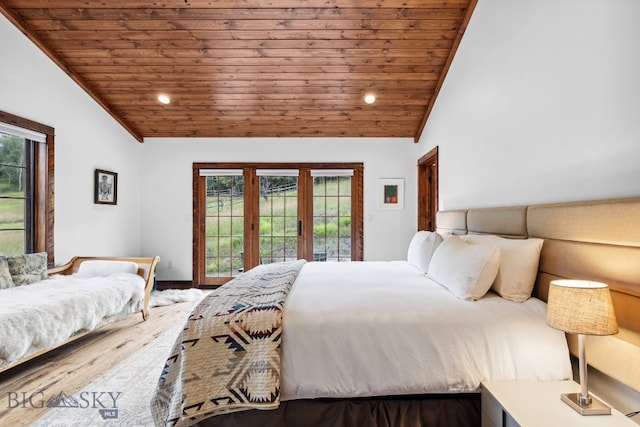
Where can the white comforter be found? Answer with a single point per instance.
(44, 314)
(382, 328)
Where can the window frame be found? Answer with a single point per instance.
(251, 194)
(42, 190)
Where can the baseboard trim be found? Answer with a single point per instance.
(174, 284)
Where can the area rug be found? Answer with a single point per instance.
(120, 397)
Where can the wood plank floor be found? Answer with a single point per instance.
(77, 364)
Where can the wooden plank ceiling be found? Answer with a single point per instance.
(252, 68)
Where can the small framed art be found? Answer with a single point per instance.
(105, 187)
(391, 193)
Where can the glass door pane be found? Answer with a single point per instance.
(331, 218)
(224, 225)
(278, 218)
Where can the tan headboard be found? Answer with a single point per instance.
(452, 222)
(593, 240)
(507, 222)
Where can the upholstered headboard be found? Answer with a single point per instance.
(593, 240)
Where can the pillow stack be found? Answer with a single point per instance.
(465, 269)
(22, 269)
(101, 268)
(471, 265)
(5, 276)
(519, 260)
(421, 249)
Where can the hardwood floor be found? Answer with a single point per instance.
(75, 365)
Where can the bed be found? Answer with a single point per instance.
(369, 351)
(43, 309)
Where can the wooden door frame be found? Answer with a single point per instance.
(428, 190)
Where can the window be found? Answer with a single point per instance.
(251, 214)
(26, 186)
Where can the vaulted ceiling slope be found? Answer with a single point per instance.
(253, 68)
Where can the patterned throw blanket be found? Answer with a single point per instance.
(227, 358)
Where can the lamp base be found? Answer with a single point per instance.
(596, 407)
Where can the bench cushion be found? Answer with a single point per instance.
(28, 268)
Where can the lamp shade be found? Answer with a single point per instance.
(581, 307)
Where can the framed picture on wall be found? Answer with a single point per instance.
(391, 193)
(105, 187)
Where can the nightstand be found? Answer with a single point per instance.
(538, 404)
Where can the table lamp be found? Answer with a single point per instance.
(582, 307)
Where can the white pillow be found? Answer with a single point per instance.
(421, 249)
(106, 267)
(467, 270)
(519, 260)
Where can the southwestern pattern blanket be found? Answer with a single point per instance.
(227, 358)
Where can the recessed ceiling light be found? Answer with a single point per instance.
(369, 98)
(164, 99)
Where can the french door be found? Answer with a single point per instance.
(251, 214)
(278, 222)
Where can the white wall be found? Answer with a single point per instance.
(167, 189)
(541, 104)
(33, 87)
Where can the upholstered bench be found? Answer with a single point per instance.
(42, 309)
